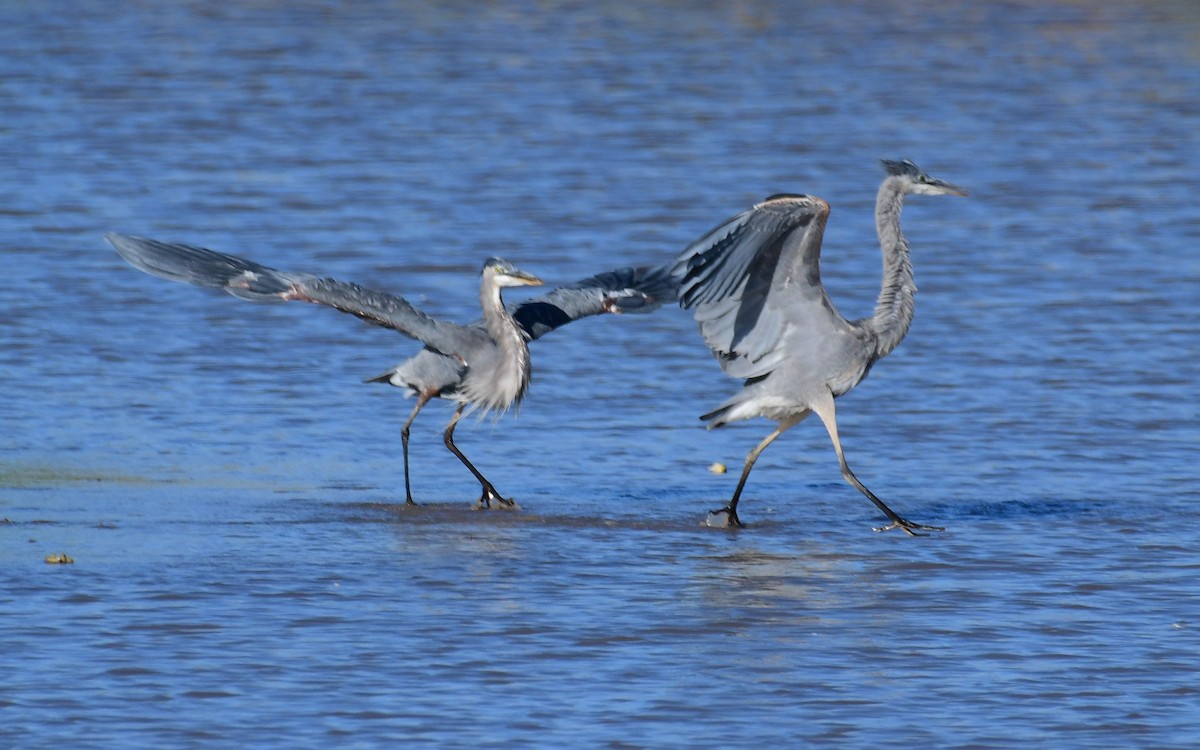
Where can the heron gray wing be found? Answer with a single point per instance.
(755, 276)
(640, 289)
(195, 265)
(258, 283)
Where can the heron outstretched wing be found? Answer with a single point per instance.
(640, 289)
(753, 277)
(258, 283)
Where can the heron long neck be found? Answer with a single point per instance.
(513, 372)
(896, 304)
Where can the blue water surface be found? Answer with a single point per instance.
(231, 493)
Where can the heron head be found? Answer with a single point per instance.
(916, 182)
(504, 273)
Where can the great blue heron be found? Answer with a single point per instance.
(755, 288)
(483, 365)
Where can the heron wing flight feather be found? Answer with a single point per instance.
(640, 289)
(258, 283)
(386, 310)
(201, 267)
(728, 276)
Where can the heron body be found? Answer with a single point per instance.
(754, 286)
(481, 366)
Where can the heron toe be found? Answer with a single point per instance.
(908, 527)
(489, 496)
(723, 518)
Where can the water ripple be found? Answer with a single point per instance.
(245, 569)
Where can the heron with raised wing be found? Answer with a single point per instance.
(484, 365)
(754, 286)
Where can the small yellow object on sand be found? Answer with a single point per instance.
(717, 468)
(59, 559)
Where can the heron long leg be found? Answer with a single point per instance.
(731, 509)
(489, 491)
(422, 399)
(825, 409)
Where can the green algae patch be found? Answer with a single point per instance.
(23, 476)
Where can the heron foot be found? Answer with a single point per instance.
(908, 527)
(485, 501)
(723, 518)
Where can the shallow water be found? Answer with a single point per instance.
(228, 488)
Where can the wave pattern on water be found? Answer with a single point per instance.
(230, 491)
